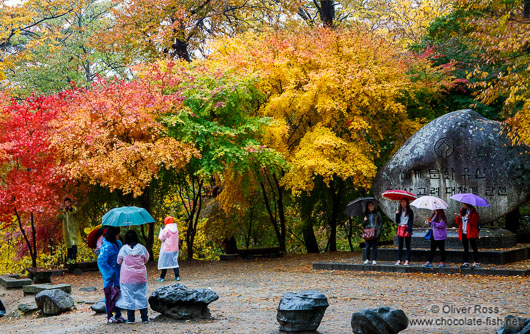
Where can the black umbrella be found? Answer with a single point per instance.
(358, 206)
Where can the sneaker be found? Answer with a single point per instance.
(121, 320)
(177, 278)
(474, 266)
(145, 321)
(366, 262)
(374, 262)
(398, 263)
(465, 265)
(112, 320)
(441, 265)
(406, 263)
(427, 265)
(160, 279)
(129, 322)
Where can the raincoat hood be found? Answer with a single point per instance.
(172, 228)
(136, 250)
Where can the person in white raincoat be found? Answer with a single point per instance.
(169, 250)
(133, 277)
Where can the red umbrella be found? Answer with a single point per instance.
(93, 237)
(398, 195)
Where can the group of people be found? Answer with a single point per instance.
(124, 272)
(468, 229)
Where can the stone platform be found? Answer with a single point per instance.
(14, 281)
(493, 238)
(486, 256)
(417, 268)
(33, 289)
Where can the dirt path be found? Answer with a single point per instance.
(250, 291)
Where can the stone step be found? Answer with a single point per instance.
(486, 256)
(33, 289)
(14, 281)
(415, 268)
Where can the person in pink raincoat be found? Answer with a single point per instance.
(169, 250)
(133, 277)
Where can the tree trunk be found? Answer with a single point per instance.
(272, 218)
(180, 50)
(32, 253)
(150, 240)
(326, 12)
(34, 239)
(306, 210)
(513, 221)
(230, 246)
(281, 213)
(526, 10)
(335, 195)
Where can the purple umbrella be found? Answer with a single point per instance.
(471, 199)
(111, 297)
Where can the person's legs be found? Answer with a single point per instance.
(74, 252)
(177, 272)
(466, 248)
(433, 250)
(400, 248)
(367, 247)
(473, 243)
(143, 314)
(407, 243)
(441, 244)
(163, 273)
(117, 312)
(130, 315)
(374, 245)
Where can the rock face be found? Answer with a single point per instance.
(27, 308)
(99, 307)
(383, 320)
(302, 311)
(515, 325)
(179, 302)
(52, 302)
(460, 152)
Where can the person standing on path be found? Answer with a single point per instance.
(133, 277)
(467, 221)
(372, 219)
(70, 229)
(169, 250)
(438, 223)
(404, 220)
(110, 271)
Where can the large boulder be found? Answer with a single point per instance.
(459, 152)
(179, 302)
(52, 302)
(383, 320)
(515, 325)
(301, 311)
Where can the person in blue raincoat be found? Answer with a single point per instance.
(110, 270)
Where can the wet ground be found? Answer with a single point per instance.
(249, 292)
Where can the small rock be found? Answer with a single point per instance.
(515, 325)
(179, 302)
(99, 307)
(302, 311)
(27, 308)
(52, 302)
(383, 320)
(88, 289)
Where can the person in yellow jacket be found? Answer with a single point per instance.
(70, 229)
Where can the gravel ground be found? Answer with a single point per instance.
(250, 291)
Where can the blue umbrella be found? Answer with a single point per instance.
(471, 199)
(127, 216)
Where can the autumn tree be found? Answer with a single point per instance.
(30, 182)
(108, 135)
(342, 96)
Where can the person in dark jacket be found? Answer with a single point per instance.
(2, 309)
(467, 221)
(404, 220)
(372, 219)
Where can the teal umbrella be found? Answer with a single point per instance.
(127, 216)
